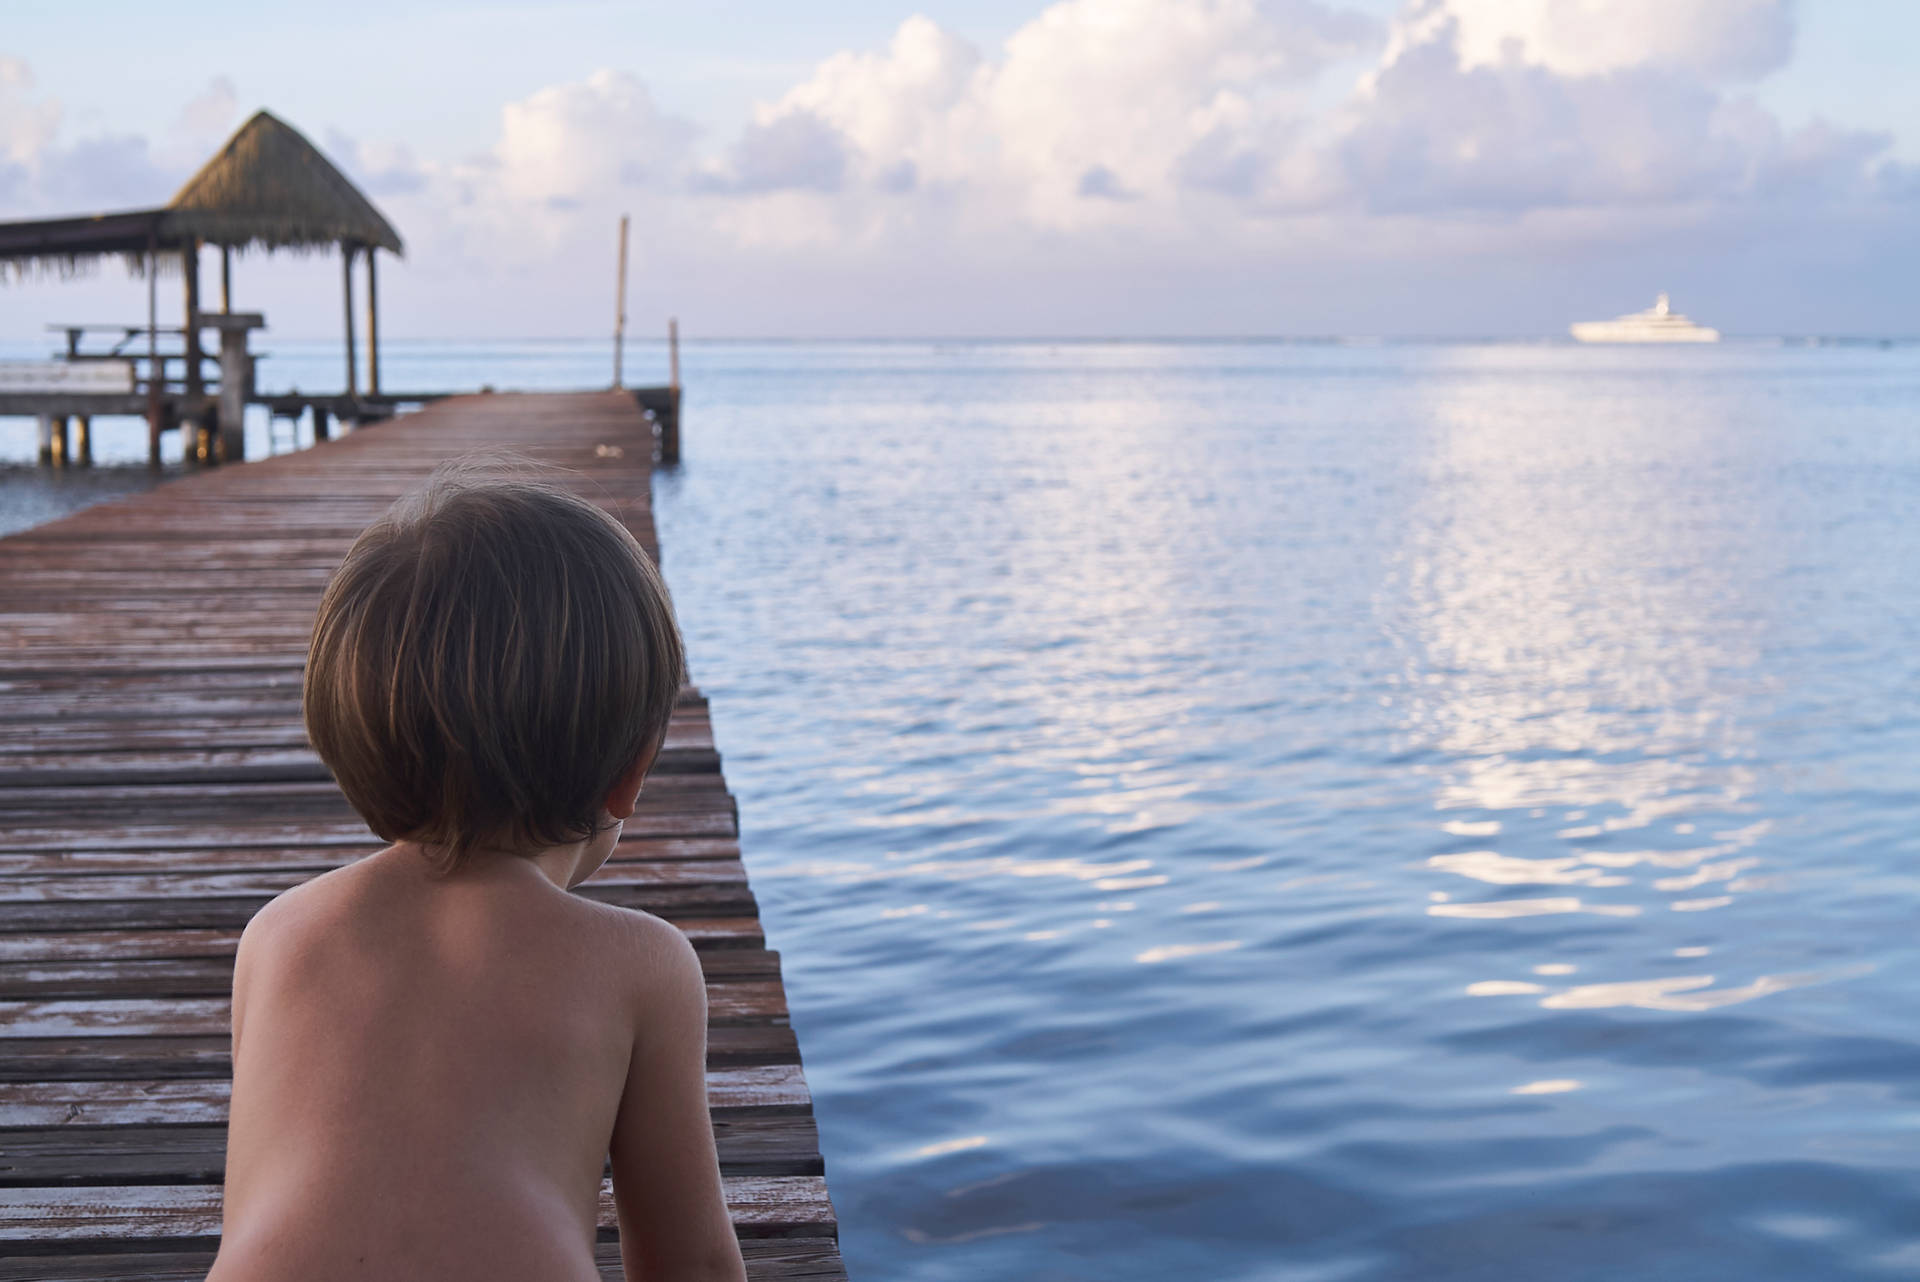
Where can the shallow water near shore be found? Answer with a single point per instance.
(1267, 811)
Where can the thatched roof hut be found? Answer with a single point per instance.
(269, 187)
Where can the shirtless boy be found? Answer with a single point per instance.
(435, 1049)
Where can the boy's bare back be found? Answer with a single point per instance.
(438, 1048)
(427, 1073)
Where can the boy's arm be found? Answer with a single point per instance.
(242, 971)
(666, 1175)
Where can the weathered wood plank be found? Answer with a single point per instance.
(50, 1059)
(30, 888)
(706, 932)
(762, 1206)
(796, 1259)
(191, 1102)
(210, 976)
(728, 1002)
(758, 1143)
(309, 859)
(672, 902)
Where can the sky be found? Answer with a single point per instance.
(1017, 168)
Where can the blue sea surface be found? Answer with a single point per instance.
(1311, 812)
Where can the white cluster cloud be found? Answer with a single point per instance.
(1093, 103)
(1470, 106)
(1712, 39)
(1437, 129)
(569, 143)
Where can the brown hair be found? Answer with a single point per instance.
(490, 658)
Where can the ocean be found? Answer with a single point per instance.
(1311, 812)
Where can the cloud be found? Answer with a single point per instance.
(1099, 183)
(379, 168)
(25, 126)
(99, 174)
(1712, 39)
(210, 115)
(1092, 98)
(1436, 130)
(577, 141)
(39, 173)
(793, 149)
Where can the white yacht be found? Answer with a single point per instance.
(1658, 324)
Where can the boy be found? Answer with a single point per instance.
(436, 1048)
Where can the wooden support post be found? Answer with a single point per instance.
(670, 429)
(62, 445)
(45, 454)
(373, 326)
(236, 381)
(670, 420)
(346, 286)
(320, 429)
(226, 278)
(83, 440)
(190, 292)
(153, 347)
(620, 306)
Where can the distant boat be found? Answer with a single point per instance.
(1658, 324)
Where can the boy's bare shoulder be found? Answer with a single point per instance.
(660, 958)
(311, 906)
(643, 932)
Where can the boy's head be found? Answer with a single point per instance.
(490, 659)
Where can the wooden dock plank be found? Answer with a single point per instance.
(156, 789)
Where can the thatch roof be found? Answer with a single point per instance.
(71, 246)
(270, 187)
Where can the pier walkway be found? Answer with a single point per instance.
(156, 789)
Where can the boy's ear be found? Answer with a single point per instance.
(625, 793)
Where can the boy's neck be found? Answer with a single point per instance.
(562, 866)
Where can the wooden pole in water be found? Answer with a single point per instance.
(153, 348)
(670, 421)
(226, 279)
(620, 306)
(373, 325)
(346, 286)
(83, 440)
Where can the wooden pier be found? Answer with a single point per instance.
(156, 789)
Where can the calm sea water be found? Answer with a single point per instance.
(1259, 811)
